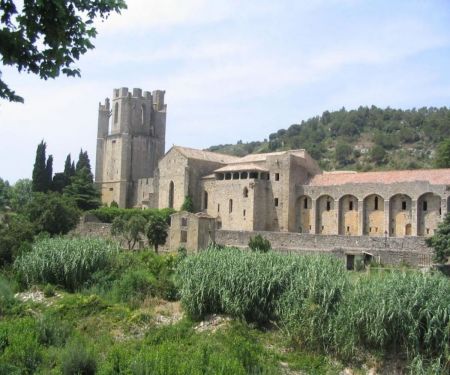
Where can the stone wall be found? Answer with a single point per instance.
(408, 250)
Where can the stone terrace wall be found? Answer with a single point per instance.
(408, 250)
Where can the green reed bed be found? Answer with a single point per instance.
(321, 306)
(65, 262)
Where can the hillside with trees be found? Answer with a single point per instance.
(368, 138)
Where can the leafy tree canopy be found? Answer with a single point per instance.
(130, 229)
(47, 37)
(187, 205)
(5, 194)
(156, 231)
(442, 159)
(440, 241)
(52, 213)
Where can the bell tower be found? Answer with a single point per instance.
(130, 142)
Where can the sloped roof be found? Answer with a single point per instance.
(193, 153)
(262, 157)
(241, 167)
(433, 176)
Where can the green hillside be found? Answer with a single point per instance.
(362, 139)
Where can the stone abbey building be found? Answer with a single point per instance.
(278, 192)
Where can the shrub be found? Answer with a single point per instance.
(6, 296)
(52, 331)
(15, 231)
(259, 243)
(65, 262)
(108, 214)
(49, 291)
(134, 286)
(77, 359)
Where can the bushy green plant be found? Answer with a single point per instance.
(21, 353)
(49, 291)
(65, 262)
(6, 296)
(52, 331)
(77, 359)
(108, 214)
(15, 232)
(134, 286)
(188, 204)
(440, 241)
(259, 243)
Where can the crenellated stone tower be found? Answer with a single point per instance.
(130, 142)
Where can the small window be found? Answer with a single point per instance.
(376, 229)
(277, 177)
(428, 230)
(425, 205)
(350, 205)
(205, 200)
(403, 205)
(111, 189)
(227, 176)
(254, 175)
(328, 205)
(230, 206)
(245, 192)
(276, 202)
(310, 227)
(322, 228)
(243, 213)
(218, 207)
(305, 203)
(376, 203)
(116, 113)
(218, 224)
(114, 142)
(183, 236)
(370, 229)
(440, 211)
(236, 176)
(184, 221)
(348, 229)
(244, 175)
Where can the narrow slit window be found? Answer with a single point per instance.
(277, 177)
(376, 203)
(305, 203)
(350, 205)
(230, 206)
(328, 205)
(276, 202)
(245, 192)
(425, 205)
(403, 205)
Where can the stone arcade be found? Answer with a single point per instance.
(277, 192)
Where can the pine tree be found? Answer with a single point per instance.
(40, 181)
(83, 191)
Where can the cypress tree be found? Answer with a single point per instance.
(40, 176)
(69, 168)
(49, 171)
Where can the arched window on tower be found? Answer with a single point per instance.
(143, 114)
(116, 113)
(171, 194)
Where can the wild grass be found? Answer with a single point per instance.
(65, 262)
(323, 307)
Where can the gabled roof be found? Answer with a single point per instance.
(192, 153)
(263, 157)
(433, 176)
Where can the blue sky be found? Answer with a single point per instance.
(235, 70)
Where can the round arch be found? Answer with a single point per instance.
(348, 215)
(373, 212)
(428, 214)
(400, 215)
(326, 215)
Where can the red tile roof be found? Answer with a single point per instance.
(433, 176)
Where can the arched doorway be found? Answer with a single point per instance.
(400, 215)
(171, 194)
(303, 214)
(348, 215)
(373, 211)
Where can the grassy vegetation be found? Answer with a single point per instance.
(321, 307)
(122, 315)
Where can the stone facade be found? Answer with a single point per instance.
(130, 142)
(282, 191)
